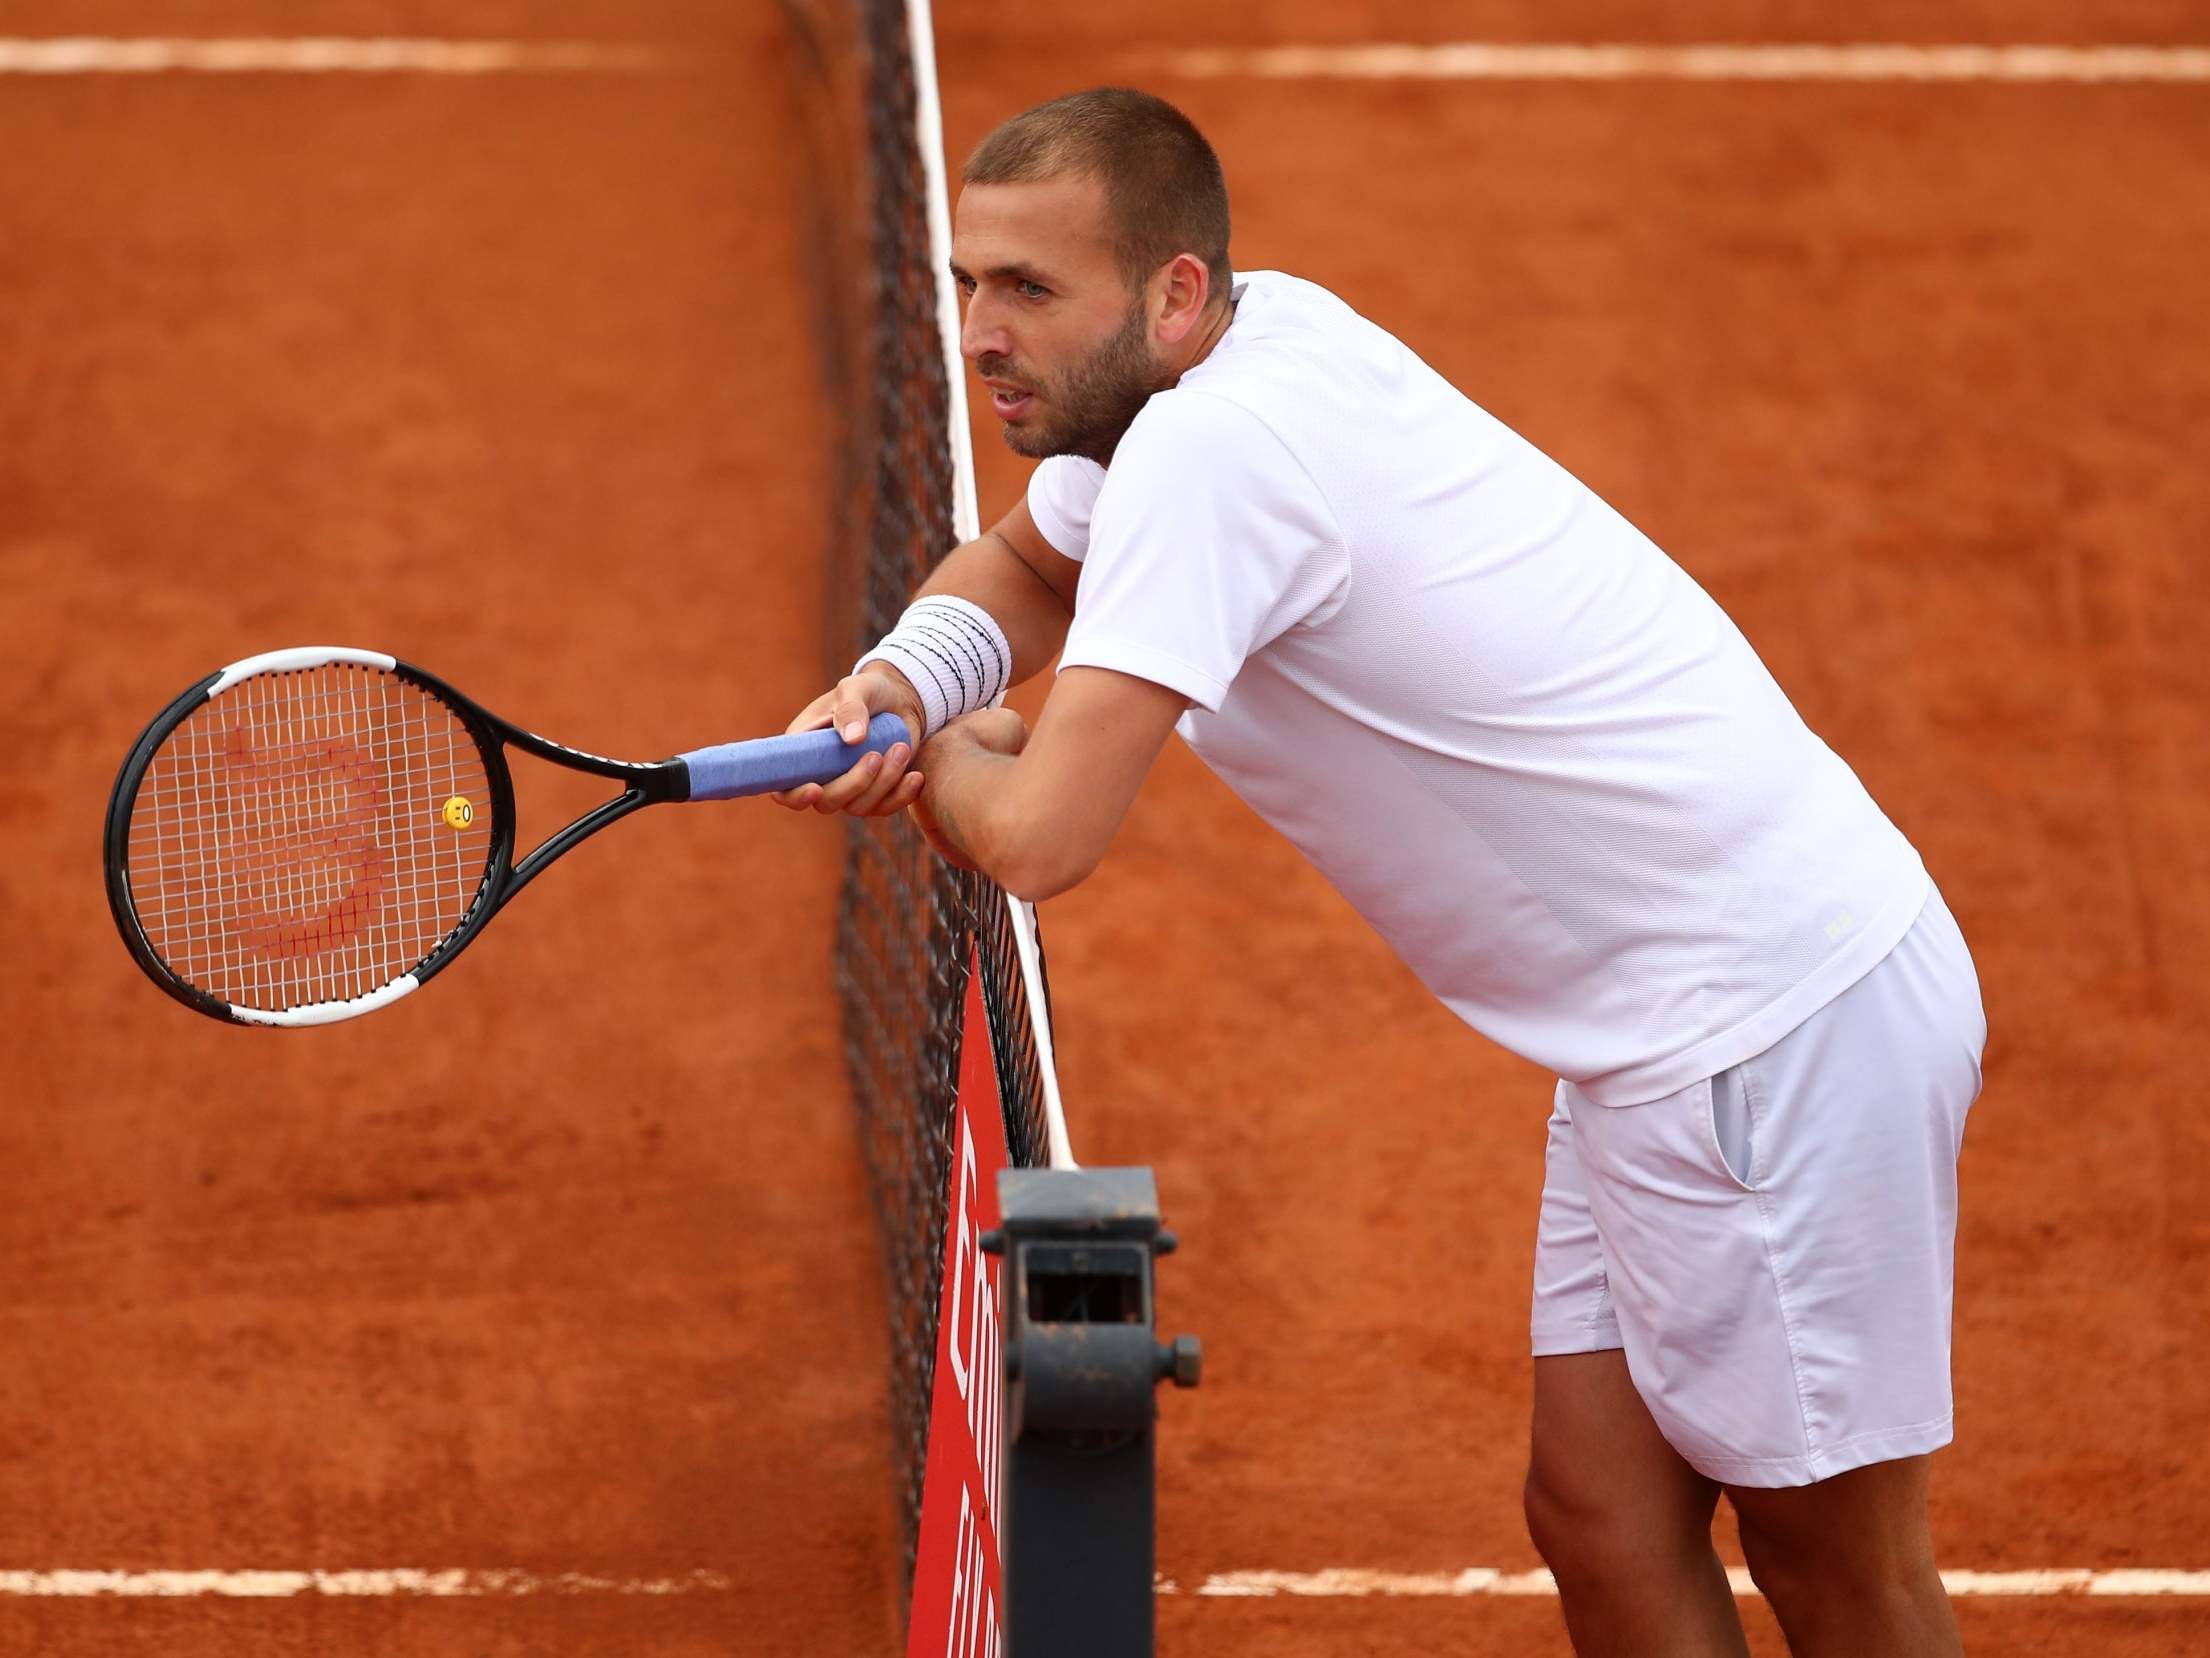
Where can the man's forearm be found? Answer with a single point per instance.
(989, 573)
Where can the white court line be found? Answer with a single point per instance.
(397, 1580)
(1338, 1583)
(1350, 1583)
(1480, 61)
(320, 55)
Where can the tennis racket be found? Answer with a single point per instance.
(309, 835)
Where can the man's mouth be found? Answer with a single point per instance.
(1007, 400)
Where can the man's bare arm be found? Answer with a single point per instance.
(1015, 574)
(1027, 587)
(1035, 813)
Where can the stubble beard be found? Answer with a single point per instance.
(1095, 402)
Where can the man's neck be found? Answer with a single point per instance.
(1211, 334)
(1215, 329)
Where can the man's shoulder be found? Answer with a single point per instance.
(1280, 318)
(1293, 347)
(1258, 403)
(1188, 426)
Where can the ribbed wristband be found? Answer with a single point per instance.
(954, 653)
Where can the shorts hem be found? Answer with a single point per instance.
(1857, 1451)
(1551, 1341)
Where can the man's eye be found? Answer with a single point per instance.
(1034, 290)
(965, 284)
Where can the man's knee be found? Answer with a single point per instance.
(1589, 1532)
(1848, 1563)
(1551, 1518)
(1864, 1534)
(1577, 1539)
(1865, 1569)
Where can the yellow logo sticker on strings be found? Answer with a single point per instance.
(459, 814)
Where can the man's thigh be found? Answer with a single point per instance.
(1598, 1456)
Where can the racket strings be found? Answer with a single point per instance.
(309, 836)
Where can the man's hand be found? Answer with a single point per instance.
(993, 730)
(1034, 813)
(987, 731)
(1025, 584)
(879, 784)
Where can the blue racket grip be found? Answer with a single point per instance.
(766, 764)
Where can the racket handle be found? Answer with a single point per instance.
(763, 765)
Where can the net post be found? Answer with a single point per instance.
(1082, 1364)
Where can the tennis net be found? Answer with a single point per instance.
(907, 924)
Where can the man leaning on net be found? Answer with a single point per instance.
(1550, 771)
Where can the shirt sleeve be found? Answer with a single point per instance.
(1061, 492)
(1208, 540)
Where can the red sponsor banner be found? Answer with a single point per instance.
(956, 1596)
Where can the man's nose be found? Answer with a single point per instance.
(982, 332)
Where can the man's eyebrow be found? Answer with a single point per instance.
(1009, 273)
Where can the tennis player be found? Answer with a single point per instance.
(1554, 775)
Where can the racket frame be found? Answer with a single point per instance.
(644, 783)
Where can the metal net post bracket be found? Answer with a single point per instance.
(1083, 1363)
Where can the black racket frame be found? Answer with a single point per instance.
(645, 783)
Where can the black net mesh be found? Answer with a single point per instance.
(906, 922)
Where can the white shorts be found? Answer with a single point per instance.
(1774, 1246)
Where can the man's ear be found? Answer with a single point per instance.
(1184, 285)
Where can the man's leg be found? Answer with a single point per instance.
(1623, 1522)
(1848, 1563)
(1772, 1256)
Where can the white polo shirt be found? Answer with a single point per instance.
(1528, 748)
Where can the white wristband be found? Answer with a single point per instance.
(955, 654)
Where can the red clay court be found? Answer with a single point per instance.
(568, 1273)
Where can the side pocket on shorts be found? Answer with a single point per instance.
(1733, 1132)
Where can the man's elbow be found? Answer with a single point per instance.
(1043, 864)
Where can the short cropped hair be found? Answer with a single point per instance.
(1164, 190)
